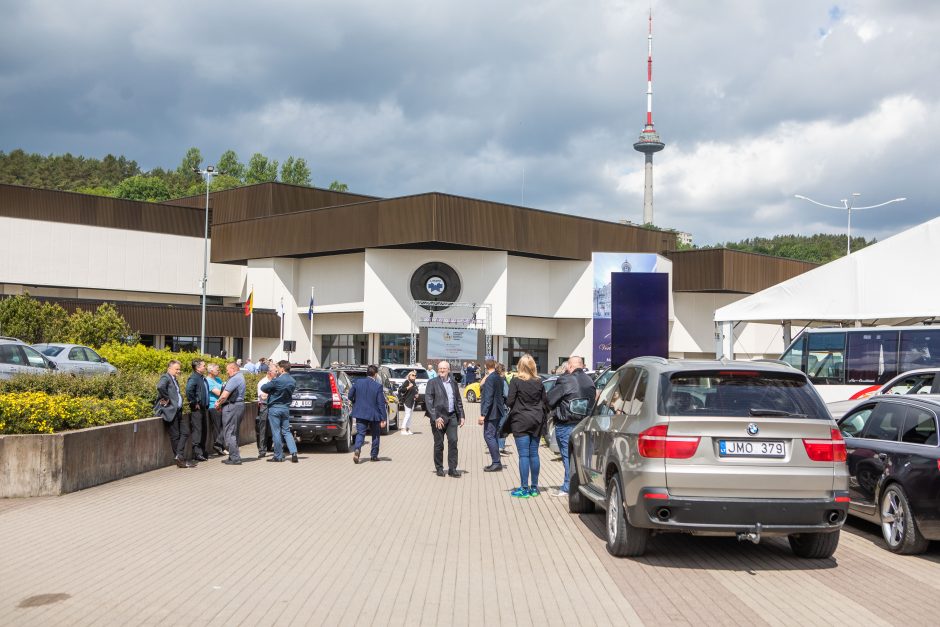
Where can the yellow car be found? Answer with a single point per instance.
(472, 392)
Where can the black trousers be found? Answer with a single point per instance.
(215, 417)
(178, 430)
(261, 429)
(451, 424)
(198, 419)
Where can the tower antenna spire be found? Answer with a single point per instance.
(649, 141)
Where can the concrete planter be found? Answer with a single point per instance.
(59, 463)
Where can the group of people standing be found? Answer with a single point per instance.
(519, 407)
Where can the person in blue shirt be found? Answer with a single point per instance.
(280, 392)
(215, 391)
(370, 409)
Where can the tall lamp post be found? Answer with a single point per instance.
(847, 206)
(209, 172)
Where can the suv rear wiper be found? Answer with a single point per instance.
(761, 411)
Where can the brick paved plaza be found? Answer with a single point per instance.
(327, 542)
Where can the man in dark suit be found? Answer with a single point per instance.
(492, 410)
(169, 405)
(445, 409)
(197, 394)
(370, 409)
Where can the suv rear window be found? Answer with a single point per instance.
(402, 373)
(739, 393)
(312, 381)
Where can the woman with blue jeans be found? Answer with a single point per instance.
(528, 414)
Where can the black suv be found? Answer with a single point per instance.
(320, 410)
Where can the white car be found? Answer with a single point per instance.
(920, 381)
(17, 357)
(397, 373)
(76, 359)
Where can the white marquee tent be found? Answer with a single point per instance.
(891, 282)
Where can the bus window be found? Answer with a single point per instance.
(794, 354)
(825, 357)
(872, 357)
(920, 349)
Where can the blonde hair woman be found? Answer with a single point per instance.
(528, 415)
(408, 393)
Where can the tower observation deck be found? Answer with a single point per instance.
(649, 141)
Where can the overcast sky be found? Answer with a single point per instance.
(755, 100)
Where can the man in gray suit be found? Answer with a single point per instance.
(445, 409)
(169, 406)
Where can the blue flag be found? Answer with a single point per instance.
(310, 310)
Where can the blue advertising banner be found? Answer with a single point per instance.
(639, 316)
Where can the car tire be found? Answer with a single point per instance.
(623, 539)
(898, 527)
(397, 414)
(814, 546)
(577, 502)
(344, 443)
(471, 396)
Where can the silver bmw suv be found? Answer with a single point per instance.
(743, 449)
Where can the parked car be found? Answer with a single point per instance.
(714, 448)
(320, 409)
(472, 392)
(894, 467)
(396, 373)
(601, 377)
(391, 392)
(920, 381)
(16, 357)
(76, 359)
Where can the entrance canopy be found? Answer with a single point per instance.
(890, 282)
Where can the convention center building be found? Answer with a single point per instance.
(360, 279)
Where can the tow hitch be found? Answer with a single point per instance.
(753, 535)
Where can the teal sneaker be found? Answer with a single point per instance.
(520, 493)
(534, 491)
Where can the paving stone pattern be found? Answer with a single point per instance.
(329, 543)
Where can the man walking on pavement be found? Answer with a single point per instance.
(573, 385)
(444, 407)
(370, 409)
(280, 392)
(232, 404)
(492, 410)
(197, 393)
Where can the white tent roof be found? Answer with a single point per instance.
(889, 282)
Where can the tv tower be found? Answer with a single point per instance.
(649, 139)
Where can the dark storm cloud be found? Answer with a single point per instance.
(756, 101)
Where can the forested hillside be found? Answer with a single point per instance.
(123, 178)
(818, 248)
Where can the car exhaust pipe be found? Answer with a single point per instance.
(751, 536)
(834, 516)
(664, 514)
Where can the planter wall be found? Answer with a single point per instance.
(59, 463)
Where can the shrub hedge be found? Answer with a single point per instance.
(38, 412)
(140, 358)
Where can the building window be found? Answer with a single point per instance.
(516, 347)
(146, 340)
(349, 349)
(395, 348)
(238, 348)
(180, 343)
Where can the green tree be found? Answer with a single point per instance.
(100, 190)
(295, 171)
(96, 328)
(260, 169)
(33, 322)
(185, 171)
(220, 182)
(147, 188)
(231, 166)
(336, 186)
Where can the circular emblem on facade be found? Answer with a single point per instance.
(435, 281)
(752, 429)
(435, 286)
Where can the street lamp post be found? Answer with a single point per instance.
(209, 172)
(847, 206)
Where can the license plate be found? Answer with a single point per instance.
(301, 403)
(750, 448)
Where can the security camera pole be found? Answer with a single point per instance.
(209, 172)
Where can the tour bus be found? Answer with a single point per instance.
(844, 363)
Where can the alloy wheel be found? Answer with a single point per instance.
(613, 515)
(892, 519)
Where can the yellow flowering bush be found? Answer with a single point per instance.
(39, 412)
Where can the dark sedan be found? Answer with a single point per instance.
(894, 468)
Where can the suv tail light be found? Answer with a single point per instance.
(832, 450)
(656, 442)
(337, 401)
